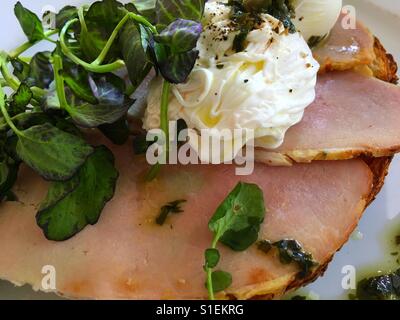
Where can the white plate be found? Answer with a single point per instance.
(383, 18)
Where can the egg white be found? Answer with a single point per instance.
(316, 17)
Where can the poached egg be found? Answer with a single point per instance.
(315, 18)
(265, 88)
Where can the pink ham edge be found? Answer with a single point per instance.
(126, 255)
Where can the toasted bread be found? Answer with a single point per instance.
(383, 67)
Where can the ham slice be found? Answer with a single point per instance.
(356, 49)
(126, 255)
(352, 115)
(345, 48)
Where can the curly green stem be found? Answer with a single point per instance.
(164, 125)
(164, 115)
(116, 65)
(130, 89)
(210, 286)
(117, 29)
(96, 65)
(5, 113)
(13, 82)
(59, 80)
(27, 45)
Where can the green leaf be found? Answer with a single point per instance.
(140, 144)
(100, 21)
(30, 23)
(91, 43)
(20, 99)
(8, 166)
(67, 125)
(54, 154)
(212, 257)
(112, 105)
(70, 206)
(105, 15)
(180, 36)
(175, 49)
(57, 191)
(64, 15)
(26, 120)
(80, 88)
(168, 11)
(133, 42)
(175, 67)
(237, 220)
(8, 175)
(221, 280)
(21, 69)
(117, 132)
(171, 207)
(10, 147)
(146, 8)
(77, 79)
(41, 72)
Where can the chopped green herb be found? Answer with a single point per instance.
(246, 16)
(384, 287)
(299, 298)
(264, 246)
(314, 41)
(291, 251)
(397, 240)
(171, 207)
(239, 40)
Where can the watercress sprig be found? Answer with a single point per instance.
(116, 65)
(57, 93)
(236, 224)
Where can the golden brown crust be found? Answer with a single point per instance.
(384, 66)
(306, 156)
(278, 287)
(380, 169)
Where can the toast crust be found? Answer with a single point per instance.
(276, 288)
